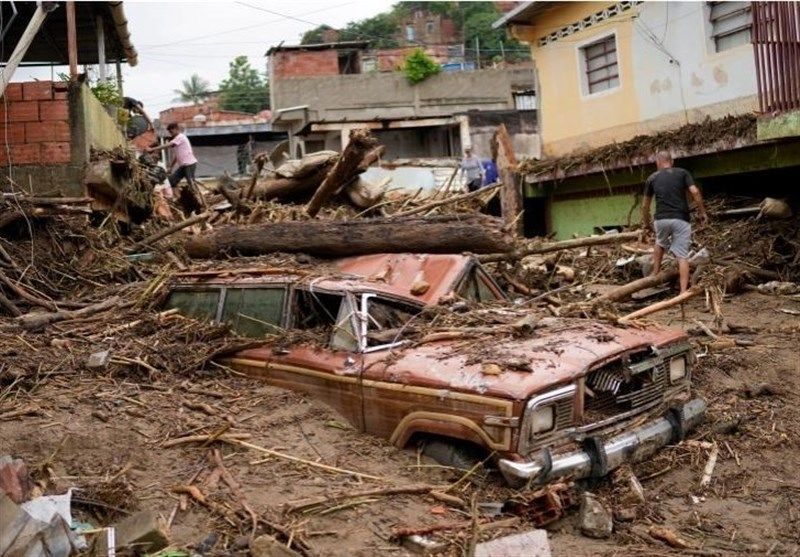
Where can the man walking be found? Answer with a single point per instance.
(184, 160)
(472, 170)
(671, 187)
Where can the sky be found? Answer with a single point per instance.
(177, 39)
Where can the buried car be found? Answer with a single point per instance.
(572, 397)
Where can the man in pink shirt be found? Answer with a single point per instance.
(183, 158)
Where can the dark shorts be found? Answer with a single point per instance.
(474, 185)
(183, 172)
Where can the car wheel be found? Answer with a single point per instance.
(456, 454)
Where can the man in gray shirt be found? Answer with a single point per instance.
(472, 170)
(671, 187)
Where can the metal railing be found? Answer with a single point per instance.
(776, 41)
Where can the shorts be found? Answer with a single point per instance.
(674, 235)
(474, 185)
(182, 172)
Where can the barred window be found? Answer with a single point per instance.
(600, 65)
(731, 24)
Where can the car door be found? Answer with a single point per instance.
(327, 366)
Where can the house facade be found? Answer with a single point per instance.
(321, 92)
(631, 73)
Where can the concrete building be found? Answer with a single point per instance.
(609, 72)
(320, 92)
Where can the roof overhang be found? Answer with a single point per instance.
(259, 127)
(523, 14)
(342, 45)
(49, 46)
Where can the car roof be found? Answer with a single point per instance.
(392, 274)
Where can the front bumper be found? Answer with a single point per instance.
(599, 457)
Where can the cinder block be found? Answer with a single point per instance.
(53, 110)
(13, 134)
(23, 111)
(140, 532)
(25, 154)
(37, 90)
(37, 132)
(14, 479)
(13, 92)
(56, 152)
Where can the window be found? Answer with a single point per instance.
(348, 62)
(330, 314)
(200, 304)
(409, 32)
(369, 64)
(475, 288)
(525, 100)
(254, 312)
(429, 26)
(385, 321)
(731, 24)
(600, 65)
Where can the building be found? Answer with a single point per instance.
(320, 92)
(616, 72)
(48, 129)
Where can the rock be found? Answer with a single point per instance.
(422, 545)
(142, 529)
(627, 514)
(268, 546)
(530, 544)
(14, 480)
(595, 519)
(98, 360)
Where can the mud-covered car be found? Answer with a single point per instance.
(576, 397)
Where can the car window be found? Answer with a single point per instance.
(475, 287)
(200, 304)
(386, 320)
(254, 312)
(330, 314)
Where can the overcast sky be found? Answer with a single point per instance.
(177, 39)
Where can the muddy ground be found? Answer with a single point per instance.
(105, 435)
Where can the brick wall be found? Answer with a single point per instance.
(302, 63)
(34, 124)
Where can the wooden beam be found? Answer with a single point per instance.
(22, 47)
(72, 41)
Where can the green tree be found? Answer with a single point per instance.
(314, 36)
(193, 90)
(381, 30)
(245, 89)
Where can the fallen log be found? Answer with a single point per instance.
(658, 306)
(290, 188)
(437, 234)
(167, 231)
(39, 319)
(622, 292)
(558, 246)
(260, 160)
(345, 168)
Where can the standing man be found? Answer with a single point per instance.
(671, 187)
(184, 159)
(472, 170)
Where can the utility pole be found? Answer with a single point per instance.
(72, 41)
(477, 53)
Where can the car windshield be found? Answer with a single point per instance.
(385, 321)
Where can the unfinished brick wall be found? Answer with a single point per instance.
(34, 124)
(302, 63)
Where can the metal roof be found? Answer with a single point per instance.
(49, 46)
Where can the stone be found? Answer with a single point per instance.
(14, 480)
(98, 360)
(268, 546)
(595, 519)
(141, 530)
(533, 543)
(423, 545)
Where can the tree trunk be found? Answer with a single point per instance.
(440, 234)
(558, 246)
(291, 188)
(626, 290)
(510, 193)
(346, 167)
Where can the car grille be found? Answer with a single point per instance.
(614, 390)
(564, 410)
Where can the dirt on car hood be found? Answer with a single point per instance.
(558, 351)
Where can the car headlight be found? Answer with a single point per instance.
(543, 419)
(677, 369)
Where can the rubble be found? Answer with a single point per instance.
(595, 519)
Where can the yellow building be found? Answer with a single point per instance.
(608, 72)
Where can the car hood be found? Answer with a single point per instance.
(558, 351)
